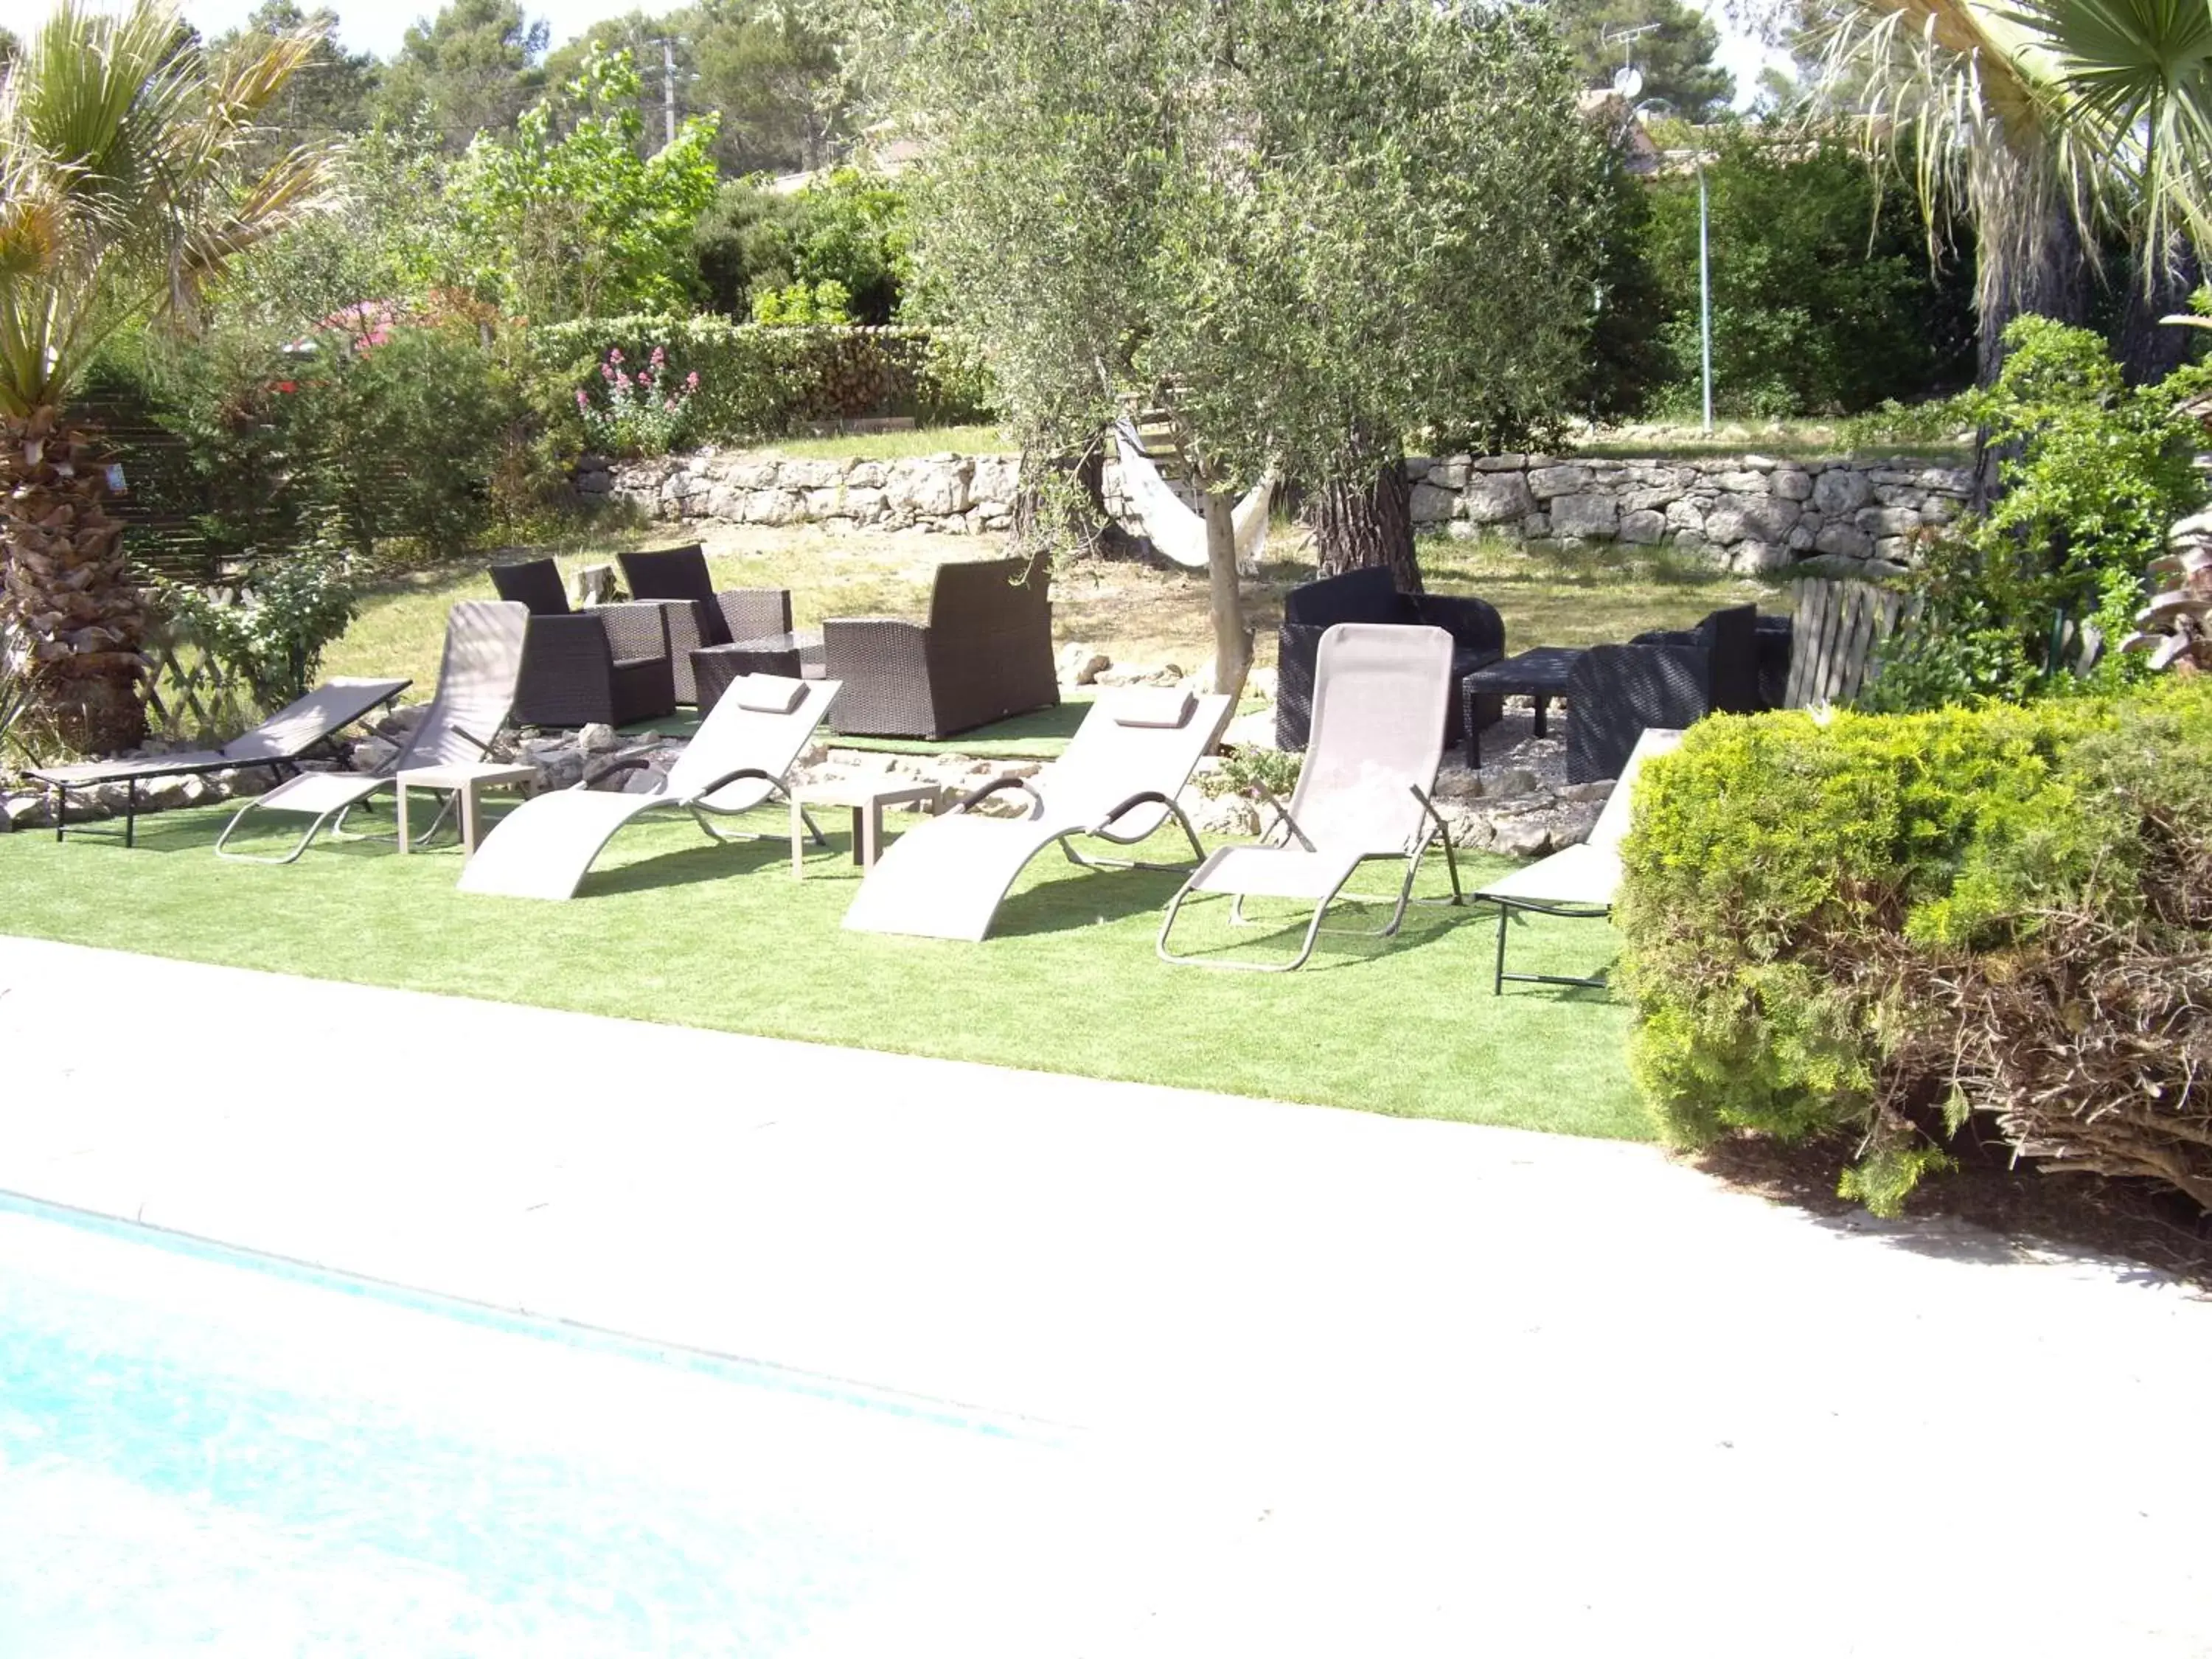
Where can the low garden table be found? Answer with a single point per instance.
(466, 779)
(868, 797)
(715, 668)
(1539, 675)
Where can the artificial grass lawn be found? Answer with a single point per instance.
(672, 928)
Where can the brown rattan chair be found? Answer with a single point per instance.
(677, 579)
(605, 666)
(984, 654)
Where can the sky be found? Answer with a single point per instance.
(376, 24)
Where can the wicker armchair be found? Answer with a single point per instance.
(1616, 693)
(984, 654)
(605, 666)
(1372, 595)
(677, 579)
(1737, 664)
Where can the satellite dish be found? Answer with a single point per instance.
(1628, 80)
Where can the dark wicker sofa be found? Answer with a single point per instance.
(1371, 596)
(677, 579)
(1666, 679)
(605, 666)
(984, 654)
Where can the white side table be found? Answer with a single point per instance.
(466, 779)
(867, 796)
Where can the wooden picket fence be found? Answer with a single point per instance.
(1835, 626)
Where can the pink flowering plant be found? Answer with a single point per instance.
(645, 411)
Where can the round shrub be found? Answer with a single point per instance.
(1865, 923)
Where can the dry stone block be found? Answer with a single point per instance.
(1841, 489)
(1498, 463)
(1497, 498)
(1593, 517)
(1757, 558)
(1431, 505)
(1546, 482)
(1743, 482)
(1792, 485)
(1846, 540)
(1736, 517)
(1879, 521)
(1645, 528)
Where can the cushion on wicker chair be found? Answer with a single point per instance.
(766, 693)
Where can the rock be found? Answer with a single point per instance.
(1792, 485)
(1496, 498)
(1757, 558)
(1592, 517)
(1526, 837)
(1498, 463)
(1844, 540)
(370, 753)
(1232, 816)
(1879, 521)
(1841, 489)
(1573, 823)
(1600, 791)
(1138, 674)
(1686, 515)
(1549, 480)
(1742, 482)
(1736, 517)
(592, 584)
(1507, 782)
(1080, 664)
(597, 740)
(24, 812)
(1431, 505)
(1644, 528)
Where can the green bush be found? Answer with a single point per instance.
(1811, 905)
(288, 610)
(848, 228)
(2096, 474)
(763, 382)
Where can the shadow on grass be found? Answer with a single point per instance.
(708, 861)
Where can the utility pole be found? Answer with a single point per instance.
(668, 86)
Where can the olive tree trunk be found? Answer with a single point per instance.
(65, 589)
(1232, 634)
(1365, 518)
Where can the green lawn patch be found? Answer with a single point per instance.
(674, 929)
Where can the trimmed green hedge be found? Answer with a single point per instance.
(757, 382)
(1880, 924)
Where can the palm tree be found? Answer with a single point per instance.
(122, 196)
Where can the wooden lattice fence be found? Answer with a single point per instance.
(191, 695)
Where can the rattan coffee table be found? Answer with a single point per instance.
(714, 668)
(868, 797)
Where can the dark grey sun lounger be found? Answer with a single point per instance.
(279, 743)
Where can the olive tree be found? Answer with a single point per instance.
(1309, 230)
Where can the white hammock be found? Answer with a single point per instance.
(1177, 530)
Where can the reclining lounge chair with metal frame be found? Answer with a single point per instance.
(279, 743)
(476, 690)
(738, 760)
(1117, 782)
(1582, 880)
(1377, 739)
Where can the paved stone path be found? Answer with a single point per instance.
(1422, 1388)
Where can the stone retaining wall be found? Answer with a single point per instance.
(1747, 512)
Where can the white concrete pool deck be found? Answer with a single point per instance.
(1427, 1387)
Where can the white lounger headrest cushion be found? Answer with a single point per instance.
(767, 693)
(1167, 705)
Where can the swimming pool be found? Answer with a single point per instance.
(202, 1451)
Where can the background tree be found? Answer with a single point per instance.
(565, 219)
(770, 73)
(1676, 58)
(471, 67)
(1307, 231)
(9, 49)
(122, 195)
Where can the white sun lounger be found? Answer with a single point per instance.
(476, 690)
(1380, 692)
(738, 760)
(1117, 782)
(285, 738)
(1582, 880)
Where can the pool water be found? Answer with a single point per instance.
(205, 1452)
